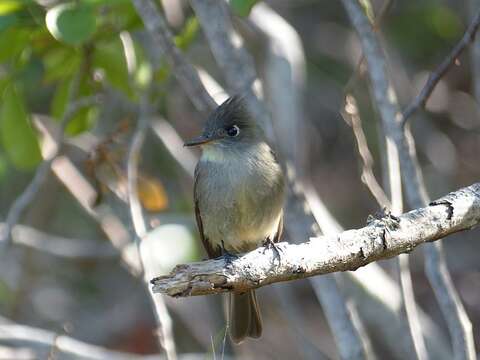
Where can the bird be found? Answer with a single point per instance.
(239, 191)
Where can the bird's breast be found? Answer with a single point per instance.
(240, 198)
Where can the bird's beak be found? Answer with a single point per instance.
(199, 140)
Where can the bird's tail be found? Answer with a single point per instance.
(245, 319)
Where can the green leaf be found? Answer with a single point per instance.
(71, 23)
(3, 167)
(143, 75)
(60, 63)
(17, 135)
(85, 118)
(242, 7)
(60, 98)
(111, 59)
(188, 34)
(83, 121)
(12, 43)
(9, 6)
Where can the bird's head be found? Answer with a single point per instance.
(229, 127)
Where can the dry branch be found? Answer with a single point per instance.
(421, 99)
(452, 308)
(163, 318)
(60, 246)
(381, 239)
(39, 342)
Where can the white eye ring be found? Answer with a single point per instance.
(233, 131)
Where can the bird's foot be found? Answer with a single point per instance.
(227, 256)
(269, 244)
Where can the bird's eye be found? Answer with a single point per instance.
(233, 131)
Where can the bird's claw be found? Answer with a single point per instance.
(227, 256)
(268, 244)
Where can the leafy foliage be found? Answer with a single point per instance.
(242, 7)
(43, 48)
(17, 135)
(72, 23)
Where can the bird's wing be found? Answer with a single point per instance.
(211, 251)
(279, 232)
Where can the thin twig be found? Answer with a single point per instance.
(162, 316)
(368, 178)
(300, 224)
(352, 118)
(40, 341)
(28, 195)
(380, 239)
(452, 308)
(174, 144)
(392, 173)
(360, 68)
(60, 246)
(475, 54)
(83, 192)
(421, 99)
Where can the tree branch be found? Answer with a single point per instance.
(475, 54)
(235, 62)
(421, 99)
(351, 116)
(381, 239)
(163, 318)
(452, 308)
(185, 73)
(28, 195)
(40, 342)
(60, 246)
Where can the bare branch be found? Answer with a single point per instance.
(83, 192)
(452, 308)
(392, 175)
(235, 62)
(163, 317)
(421, 99)
(41, 341)
(284, 76)
(60, 246)
(381, 239)
(174, 144)
(300, 224)
(17, 353)
(352, 118)
(28, 195)
(184, 72)
(475, 54)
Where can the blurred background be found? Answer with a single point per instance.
(71, 267)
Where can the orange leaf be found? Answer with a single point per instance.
(151, 194)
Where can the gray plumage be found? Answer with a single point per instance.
(239, 193)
